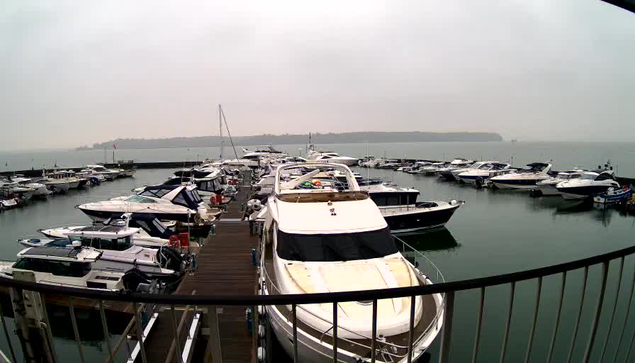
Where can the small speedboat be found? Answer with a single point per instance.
(614, 196)
(588, 185)
(524, 178)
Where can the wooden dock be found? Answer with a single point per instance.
(224, 267)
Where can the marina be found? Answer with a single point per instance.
(225, 268)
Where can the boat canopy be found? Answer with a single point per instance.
(151, 224)
(335, 247)
(180, 195)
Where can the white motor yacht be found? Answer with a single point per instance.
(166, 202)
(320, 239)
(524, 178)
(547, 187)
(330, 157)
(587, 185)
(481, 173)
(118, 252)
(433, 168)
(457, 163)
(71, 266)
(404, 214)
(148, 230)
(61, 181)
(108, 174)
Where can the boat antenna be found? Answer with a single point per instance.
(220, 130)
(227, 127)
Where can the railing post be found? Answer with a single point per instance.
(214, 344)
(75, 329)
(295, 334)
(373, 354)
(139, 327)
(446, 337)
(6, 335)
(535, 321)
(509, 321)
(626, 314)
(104, 324)
(598, 313)
(617, 299)
(558, 314)
(479, 324)
(334, 332)
(177, 337)
(577, 323)
(413, 301)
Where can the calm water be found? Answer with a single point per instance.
(494, 232)
(564, 154)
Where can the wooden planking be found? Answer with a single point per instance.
(223, 268)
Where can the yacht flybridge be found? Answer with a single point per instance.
(166, 202)
(321, 238)
(523, 179)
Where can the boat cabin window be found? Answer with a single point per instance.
(140, 199)
(335, 247)
(157, 193)
(604, 176)
(115, 244)
(390, 199)
(59, 268)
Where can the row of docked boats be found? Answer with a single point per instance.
(135, 242)
(17, 190)
(599, 185)
(131, 252)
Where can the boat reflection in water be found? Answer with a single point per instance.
(435, 240)
(597, 212)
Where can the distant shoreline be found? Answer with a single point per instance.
(287, 139)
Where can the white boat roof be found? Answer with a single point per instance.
(329, 218)
(104, 232)
(68, 253)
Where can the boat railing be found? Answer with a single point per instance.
(593, 323)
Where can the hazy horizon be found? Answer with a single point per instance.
(75, 73)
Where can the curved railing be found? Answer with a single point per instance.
(448, 289)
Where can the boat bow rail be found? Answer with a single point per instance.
(595, 343)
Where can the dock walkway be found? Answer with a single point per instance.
(224, 267)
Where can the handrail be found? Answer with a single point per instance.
(242, 300)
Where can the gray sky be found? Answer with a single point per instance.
(78, 72)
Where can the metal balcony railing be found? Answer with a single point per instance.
(196, 308)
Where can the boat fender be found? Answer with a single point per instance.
(254, 257)
(261, 354)
(262, 311)
(249, 317)
(261, 331)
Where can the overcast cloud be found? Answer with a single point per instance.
(74, 73)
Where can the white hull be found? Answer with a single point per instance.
(347, 162)
(518, 187)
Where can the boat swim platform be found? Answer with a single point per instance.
(224, 267)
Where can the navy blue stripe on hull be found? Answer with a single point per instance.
(419, 221)
(164, 216)
(586, 190)
(517, 182)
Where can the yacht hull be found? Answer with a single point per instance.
(525, 184)
(582, 192)
(99, 215)
(411, 220)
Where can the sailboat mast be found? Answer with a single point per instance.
(220, 128)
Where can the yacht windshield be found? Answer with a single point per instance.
(588, 176)
(140, 199)
(336, 247)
